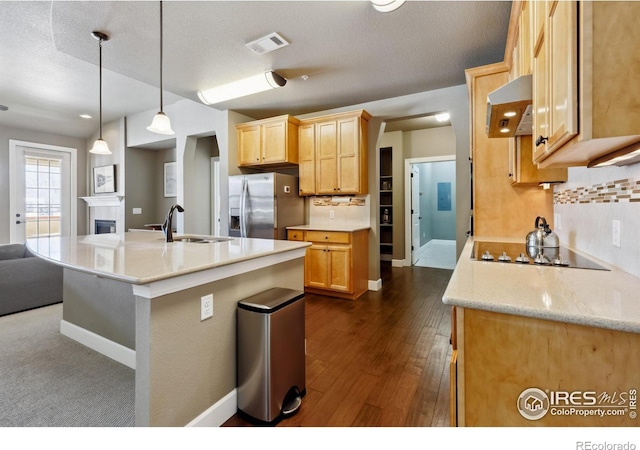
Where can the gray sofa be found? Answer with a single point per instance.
(26, 281)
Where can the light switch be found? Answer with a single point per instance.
(137, 210)
(615, 233)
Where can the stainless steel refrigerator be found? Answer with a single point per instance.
(262, 205)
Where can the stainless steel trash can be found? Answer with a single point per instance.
(271, 354)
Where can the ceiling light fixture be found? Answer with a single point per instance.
(247, 86)
(161, 123)
(100, 147)
(442, 117)
(387, 5)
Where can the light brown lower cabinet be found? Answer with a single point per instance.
(518, 371)
(329, 267)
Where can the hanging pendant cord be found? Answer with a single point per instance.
(161, 110)
(100, 46)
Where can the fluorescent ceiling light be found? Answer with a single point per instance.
(442, 117)
(241, 88)
(387, 5)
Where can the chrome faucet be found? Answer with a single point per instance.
(167, 226)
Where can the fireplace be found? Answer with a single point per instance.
(105, 226)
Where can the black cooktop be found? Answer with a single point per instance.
(519, 253)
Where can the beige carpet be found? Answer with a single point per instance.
(49, 380)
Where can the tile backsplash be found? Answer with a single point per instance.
(588, 203)
(342, 210)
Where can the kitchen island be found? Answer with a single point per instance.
(185, 367)
(543, 346)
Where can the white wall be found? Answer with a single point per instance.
(588, 226)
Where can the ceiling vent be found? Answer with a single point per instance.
(267, 44)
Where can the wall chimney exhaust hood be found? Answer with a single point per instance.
(509, 109)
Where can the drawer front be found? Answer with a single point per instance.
(336, 237)
(295, 235)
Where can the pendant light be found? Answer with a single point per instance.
(161, 123)
(100, 147)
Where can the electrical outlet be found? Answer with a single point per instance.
(206, 307)
(137, 210)
(615, 233)
(332, 214)
(557, 221)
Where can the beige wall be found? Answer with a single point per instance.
(193, 362)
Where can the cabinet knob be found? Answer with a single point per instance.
(510, 175)
(541, 140)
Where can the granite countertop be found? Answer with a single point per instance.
(331, 227)
(599, 298)
(143, 257)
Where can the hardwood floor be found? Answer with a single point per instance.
(378, 361)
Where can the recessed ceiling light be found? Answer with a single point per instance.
(86, 116)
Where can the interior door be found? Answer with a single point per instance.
(415, 213)
(42, 191)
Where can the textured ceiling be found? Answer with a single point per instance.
(350, 53)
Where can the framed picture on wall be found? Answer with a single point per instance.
(170, 179)
(104, 179)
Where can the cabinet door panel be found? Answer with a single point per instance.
(340, 258)
(348, 156)
(326, 143)
(563, 79)
(307, 168)
(316, 267)
(249, 145)
(540, 128)
(274, 142)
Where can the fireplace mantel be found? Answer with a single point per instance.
(103, 200)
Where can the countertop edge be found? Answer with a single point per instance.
(481, 295)
(291, 246)
(347, 229)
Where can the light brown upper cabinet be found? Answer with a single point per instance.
(334, 154)
(555, 80)
(586, 77)
(269, 142)
(307, 166)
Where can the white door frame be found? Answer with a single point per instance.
(215, 196)
(13, 188)
(407, 198)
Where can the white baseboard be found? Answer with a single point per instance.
(219, 413)
(375, 285)
(397, 263)
(100, 344)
